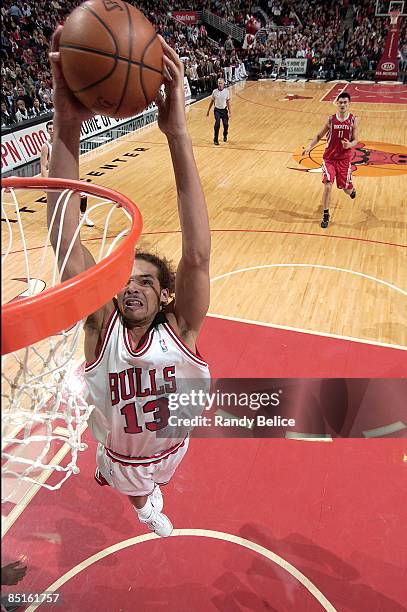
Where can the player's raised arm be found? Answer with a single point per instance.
(317, 138)
(192, 279)
(64, 163)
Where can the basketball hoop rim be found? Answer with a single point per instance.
(29, 320)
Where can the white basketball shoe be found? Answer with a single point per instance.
(159, 523)
(156, 498)
(87, 220)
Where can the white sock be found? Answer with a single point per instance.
(146, 510)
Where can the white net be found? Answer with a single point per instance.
(394, 15)
(44, 395)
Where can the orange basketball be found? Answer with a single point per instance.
(111, 57)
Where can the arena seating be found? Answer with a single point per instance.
(341, 40)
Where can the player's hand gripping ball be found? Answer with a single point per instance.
(111, 58)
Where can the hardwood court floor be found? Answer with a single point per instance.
(349, 280)
(263, 216)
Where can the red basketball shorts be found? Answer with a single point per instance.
(339, 169)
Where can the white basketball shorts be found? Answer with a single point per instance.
(137, 480)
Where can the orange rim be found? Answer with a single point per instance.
(29, 320)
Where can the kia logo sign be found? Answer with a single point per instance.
(388, 66)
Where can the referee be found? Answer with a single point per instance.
(221, 100)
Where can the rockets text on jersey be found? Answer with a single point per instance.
(339, 130)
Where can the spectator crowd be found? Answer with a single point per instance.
(341, 39)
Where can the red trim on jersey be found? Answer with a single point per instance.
(108, 332)
(126, 460)
(326, 172)
(143, 348)
(181, 344)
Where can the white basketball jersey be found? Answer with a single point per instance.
(130, 390)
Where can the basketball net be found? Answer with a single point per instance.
(44, 394)
(394, 15)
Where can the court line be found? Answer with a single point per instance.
(308, 437)
(205, 533)
(318, 266)
(18, 509)
(61, 431)
(384, 93)
(10, 434)
(367, 91)
(332, 88)
(399, 87)
(307, 331)
(11, 518)
(323, 267)
(298, 110)
(232, 147)
(244, 230)
(379, 432)
(208, 145)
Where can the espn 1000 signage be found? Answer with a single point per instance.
(23, 145)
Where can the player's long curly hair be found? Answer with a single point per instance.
(166, 272)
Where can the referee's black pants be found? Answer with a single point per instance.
(221, 114)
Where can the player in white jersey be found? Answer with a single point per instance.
(45, 157)
(140, 347)
(46, 149)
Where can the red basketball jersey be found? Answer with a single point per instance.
(338, 131)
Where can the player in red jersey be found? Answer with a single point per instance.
(342, 129)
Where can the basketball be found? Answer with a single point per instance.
(111, 57)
